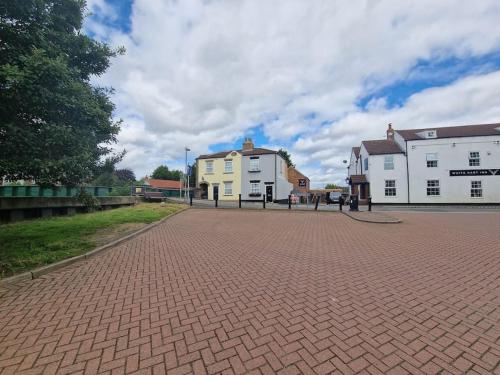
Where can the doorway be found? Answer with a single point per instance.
(269, 193)
(204, 191)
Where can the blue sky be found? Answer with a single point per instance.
(312, 77)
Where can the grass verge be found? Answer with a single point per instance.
(30, 244)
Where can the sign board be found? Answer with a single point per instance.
(302, 182)
(474, 172)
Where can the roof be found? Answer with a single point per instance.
(163, 184)
(356, 151)
(254, 151)
(358, 179)
(453, 131)
(298, 172)
(382, 147)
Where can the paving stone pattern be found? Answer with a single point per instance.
(265, 292)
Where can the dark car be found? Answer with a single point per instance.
(335, 196)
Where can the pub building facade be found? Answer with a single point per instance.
(442, 165)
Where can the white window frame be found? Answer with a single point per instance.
(433, 188)
(209, 166)
(254, 165)
(228, 187)
(432, 159)
(476, 189)
(388, 162)
(474, 160)
(255, 188)
(390, 186)
(228, 163)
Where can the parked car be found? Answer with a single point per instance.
(335, 196)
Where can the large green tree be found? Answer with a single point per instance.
(163, 173)
(55, 126)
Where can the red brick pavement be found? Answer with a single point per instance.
(233, 292)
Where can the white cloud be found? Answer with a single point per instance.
(203, 72)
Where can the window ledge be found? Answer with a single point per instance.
(254, 194)
(254, 170)
(228, 195)
(209, 172)
(228, 172)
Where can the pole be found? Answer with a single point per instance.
(185, 173)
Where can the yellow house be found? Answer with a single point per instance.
(219, 174)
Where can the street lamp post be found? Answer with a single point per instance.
(186, 174)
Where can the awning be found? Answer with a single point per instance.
(357, 179)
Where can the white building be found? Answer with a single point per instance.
(458, 164)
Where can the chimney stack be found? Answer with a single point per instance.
(247, 144)
(390, 132)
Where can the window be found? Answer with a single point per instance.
(254, 164)
(255, 188)
(388, 162)
(366, 164)
(432, 160)
(433, 188)
(209, 166)
(228, 166)
(476, 189)
(390, 188)
(281, 167)
(228, 188)
(474, 160)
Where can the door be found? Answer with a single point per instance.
(269, 193)
(216, 192)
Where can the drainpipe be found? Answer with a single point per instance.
(407, 172)
(275, 183)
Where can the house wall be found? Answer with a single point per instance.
(377, 175)
(453, 154)
(294, 176)
(273, 169)
(354, 167)
(218, 177)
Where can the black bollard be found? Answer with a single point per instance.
(341, 202)
(216, 202)
(239, 200)
(317, 202)
(289, 202)
(190, 200)
(369, 203)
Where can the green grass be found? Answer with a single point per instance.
(30, 244)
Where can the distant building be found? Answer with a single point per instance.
(252, 172)
(169, 188)
(458, 164)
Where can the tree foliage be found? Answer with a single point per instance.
(333, 186)
(163, 173)
(285, 155)
(55, 127)
(126, 175)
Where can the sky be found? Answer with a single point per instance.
(314, 77)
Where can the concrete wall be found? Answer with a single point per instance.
(19, 208)
(453, 154)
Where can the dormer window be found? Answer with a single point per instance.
(430, 134)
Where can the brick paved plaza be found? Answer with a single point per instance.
(263, 292)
